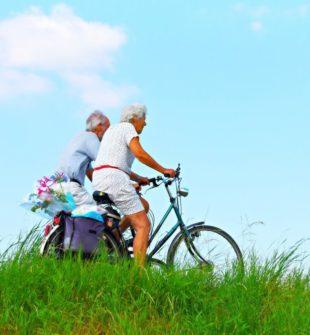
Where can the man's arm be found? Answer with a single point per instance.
(139, 179)
(89, 173)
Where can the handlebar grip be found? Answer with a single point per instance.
(167, 175)
(153, 181)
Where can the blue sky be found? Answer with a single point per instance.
(227, 87)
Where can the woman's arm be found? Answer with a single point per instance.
(146, 159)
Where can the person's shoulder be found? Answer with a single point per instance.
(120, 127)
(126, 126)
(87, 136)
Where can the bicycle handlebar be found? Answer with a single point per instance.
(177, 173)
(154, 180)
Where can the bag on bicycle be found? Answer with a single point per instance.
(82, 234)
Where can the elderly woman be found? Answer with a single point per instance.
(112, 173)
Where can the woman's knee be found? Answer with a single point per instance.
(140, 221)
(144, 225)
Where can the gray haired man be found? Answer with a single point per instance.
(75, 161)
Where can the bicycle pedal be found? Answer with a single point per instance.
(129, 243)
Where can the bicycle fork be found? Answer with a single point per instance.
(189, 240)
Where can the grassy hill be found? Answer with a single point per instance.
(47, 296)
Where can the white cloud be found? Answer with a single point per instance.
(254, 13)
(239, 7)
(14, 82)
(59, 43)
(260, 11)
(303, 10)
(97, 92)
(256, 26)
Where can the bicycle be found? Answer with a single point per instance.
(197, 245)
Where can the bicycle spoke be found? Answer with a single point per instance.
(209, 247)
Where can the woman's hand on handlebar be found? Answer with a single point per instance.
(169, 173)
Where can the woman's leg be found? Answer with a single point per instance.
(125, 222)
(141, 224)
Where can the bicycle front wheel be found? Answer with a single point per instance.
(205, 247)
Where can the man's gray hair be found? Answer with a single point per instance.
(94, 119)
(130, 111)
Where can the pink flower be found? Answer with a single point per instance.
(46, 196)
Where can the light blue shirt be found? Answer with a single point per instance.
(78, 155)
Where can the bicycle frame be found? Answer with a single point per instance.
(180, 223)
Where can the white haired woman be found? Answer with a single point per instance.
(112, 173)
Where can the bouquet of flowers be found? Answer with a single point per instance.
(48, 196)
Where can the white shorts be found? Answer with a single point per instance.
(79, 192)
(117, 185)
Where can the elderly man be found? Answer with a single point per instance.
(112, 173)
(75, 161)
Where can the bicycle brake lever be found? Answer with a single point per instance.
(149, 189)
(154, 182)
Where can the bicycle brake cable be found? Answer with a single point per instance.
(179, 196)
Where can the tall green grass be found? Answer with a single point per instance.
(48, 296)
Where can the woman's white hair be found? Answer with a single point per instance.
(94, 119)
(138, 110)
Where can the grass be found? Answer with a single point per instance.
(45, 296)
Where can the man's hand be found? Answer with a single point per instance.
(170, 172)
(89, 174)
(137, 187)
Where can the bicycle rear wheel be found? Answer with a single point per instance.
(108, 247)
(54, 243)
(207, 248)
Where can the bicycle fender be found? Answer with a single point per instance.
(195, 224)
(45, 239)
(178, 236)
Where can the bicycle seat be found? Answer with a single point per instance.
(102, 198)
